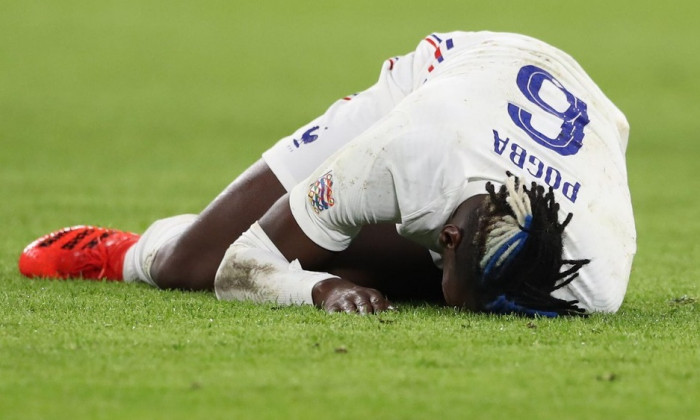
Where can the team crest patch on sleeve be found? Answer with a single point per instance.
(321, 193)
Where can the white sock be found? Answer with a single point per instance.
(139, 258)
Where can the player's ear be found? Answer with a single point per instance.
(450, 236)
(457, 281)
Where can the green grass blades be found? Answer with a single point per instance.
(121, 112)
(86, 350)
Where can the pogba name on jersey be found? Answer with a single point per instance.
(526, 161)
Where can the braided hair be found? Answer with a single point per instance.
(520, 258)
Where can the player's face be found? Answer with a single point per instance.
(460, 269)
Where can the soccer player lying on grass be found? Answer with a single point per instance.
(494, 152)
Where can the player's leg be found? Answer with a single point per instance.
(190, 259)
(378, 257)
(178, 252)
(184, 251)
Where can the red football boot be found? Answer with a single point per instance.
(80, 251)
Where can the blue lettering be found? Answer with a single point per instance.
(571, 191)
(557, 178)
(538, 164)
(517, 155)
(523, 160)
(499, 145)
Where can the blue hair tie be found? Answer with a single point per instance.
(520, 237)
(502, 305)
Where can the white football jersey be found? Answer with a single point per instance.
(461, 110)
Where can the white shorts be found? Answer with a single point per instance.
(293, 158)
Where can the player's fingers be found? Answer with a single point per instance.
(379, 303)
(359, 300)
(348, 306)
(368, 301)
(342, 305)
(334, 306)
(364, 306)
(345, 306)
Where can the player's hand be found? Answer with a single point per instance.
(338, 295)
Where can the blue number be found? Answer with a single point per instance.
(574, 119)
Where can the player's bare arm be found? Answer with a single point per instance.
(333, 294)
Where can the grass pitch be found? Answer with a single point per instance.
(121, 112)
